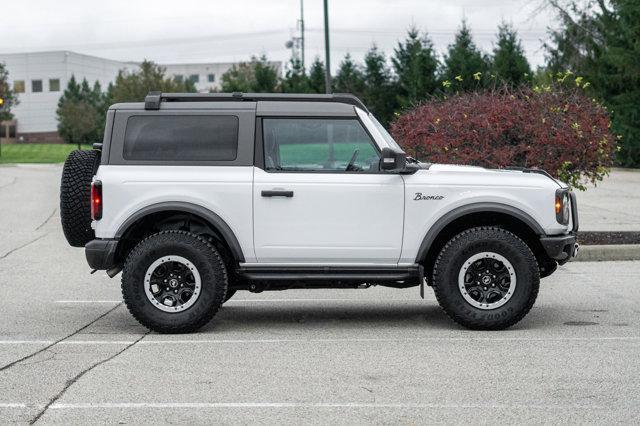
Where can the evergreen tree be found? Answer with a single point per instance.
(379, 88)
(317, 77)
(257, 76)
(295, 79)
(464, 64)
(133, 86)
(240, 78)
(598, 42)
(266, 76)
(415, 63)
(8, 98)
(349, 78)
(80, 113)
(509, 63)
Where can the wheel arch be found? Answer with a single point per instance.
(214, 221)
(478, 214)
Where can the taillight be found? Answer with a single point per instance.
(96, 200)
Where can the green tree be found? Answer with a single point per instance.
(509, 63)
(266, 76)
(133, 86)
(295, 79)
(415, 63)
(77, 122)
(349, 78)
(8, 98)
(316, 76)
(465, 67)
(379, 88)
(598, 42)
(256, 76)
(240, 78)
(80, 112)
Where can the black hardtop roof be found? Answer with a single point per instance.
(153, 99)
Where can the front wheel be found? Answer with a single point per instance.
(174, 282)
(486, 278)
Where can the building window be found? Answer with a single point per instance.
(12, 131)
(3, 132)
(178, 78)
(211, 78)
(54, 84)
(36, 86)
(18, 86)
(194, 78)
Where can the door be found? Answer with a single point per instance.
(320, 197)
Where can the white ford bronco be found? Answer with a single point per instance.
(197, 196)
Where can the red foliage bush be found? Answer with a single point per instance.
(560, 130)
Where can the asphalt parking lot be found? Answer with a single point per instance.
(71, 353)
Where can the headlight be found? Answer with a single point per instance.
(563, 206)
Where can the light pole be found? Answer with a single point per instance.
(327, 75)
(302, 32)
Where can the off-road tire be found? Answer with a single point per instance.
(201, 254)
(462, 247)
(75, 196)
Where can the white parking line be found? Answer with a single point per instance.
(201, 405)
(12, 405)
(325, 340)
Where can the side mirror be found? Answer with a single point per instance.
(393, 161)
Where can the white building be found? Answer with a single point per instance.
(40, 78)
(205, 77)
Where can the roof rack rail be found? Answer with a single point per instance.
(153, 99)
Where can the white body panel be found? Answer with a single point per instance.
(226, 191)
(331, 218)
(531, 193)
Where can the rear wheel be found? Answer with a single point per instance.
(486, 278)
(174, 282)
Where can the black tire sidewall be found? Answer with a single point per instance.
(205, 259)
(75, 196)
(478, 240)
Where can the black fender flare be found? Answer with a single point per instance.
(458, 212)
(186, 207)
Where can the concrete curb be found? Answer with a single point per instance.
(603, 253)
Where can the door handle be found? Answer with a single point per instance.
(274, 193)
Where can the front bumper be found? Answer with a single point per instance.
(561, 247)
(101, 254)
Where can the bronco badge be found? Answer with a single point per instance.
(420, 196)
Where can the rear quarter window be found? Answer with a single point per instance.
(181, 138)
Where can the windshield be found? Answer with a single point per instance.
(387, 137)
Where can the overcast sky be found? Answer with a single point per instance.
(172, 31)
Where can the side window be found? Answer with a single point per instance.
(181, 138)
(317, 144)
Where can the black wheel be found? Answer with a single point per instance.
(486, 278)
(229, 295)
(174, 282)
(75, 194)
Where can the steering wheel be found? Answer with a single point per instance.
(351, 166)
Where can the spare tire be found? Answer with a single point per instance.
(75, 196)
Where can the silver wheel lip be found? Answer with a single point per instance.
(196, 276)
(465, 268)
